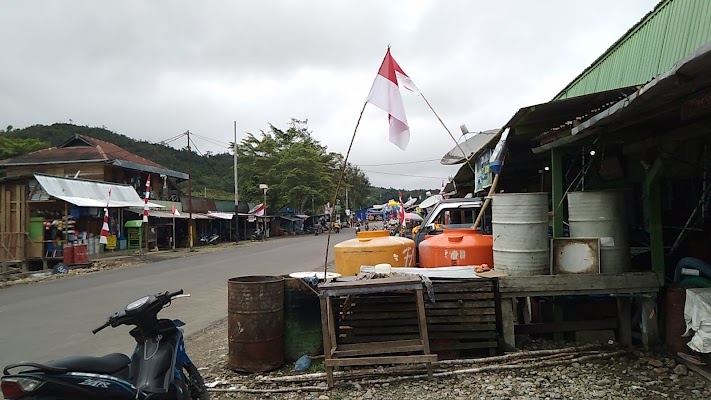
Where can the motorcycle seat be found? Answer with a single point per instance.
(108, 364)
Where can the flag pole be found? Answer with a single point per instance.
(466, 156)
(173, 230)
(338, 187)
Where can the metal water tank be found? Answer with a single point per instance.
(601, 214)
(520, 230)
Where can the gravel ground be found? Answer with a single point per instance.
(635, 375)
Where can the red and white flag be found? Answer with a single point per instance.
(174, 210)
(259, 212)
(105, 227)
(148, 193)
(385, 94)
(401, 215)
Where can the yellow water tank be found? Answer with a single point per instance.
(371, 248)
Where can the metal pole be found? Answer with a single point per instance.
(265, 213)
(190, 199)
(236, 190)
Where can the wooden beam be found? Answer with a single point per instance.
(557, 192)
(338, 362)
(566, 326)
(551, 285)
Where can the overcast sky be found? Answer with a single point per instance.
(153, 69)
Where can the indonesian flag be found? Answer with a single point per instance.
(174, 210)
(385, 94)
(145, 205)
(105, 227)
(259, 212)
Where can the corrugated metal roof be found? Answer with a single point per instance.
(652, 99)
(86, 193)
(670, 32)
(199, 204)
(87, 149)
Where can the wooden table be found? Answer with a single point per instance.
(372, 353)
(623, 286)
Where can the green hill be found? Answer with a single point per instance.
(208, 170)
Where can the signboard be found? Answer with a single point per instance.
(483, 176)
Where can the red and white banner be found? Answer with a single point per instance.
(259, 212)
(105, 227)
(385, 94)
(174, 210)
(148, 193)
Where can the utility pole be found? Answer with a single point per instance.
(236, 189)
(190, 198)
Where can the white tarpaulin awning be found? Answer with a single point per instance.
(168, 214)
(85, 193)
(220, 215)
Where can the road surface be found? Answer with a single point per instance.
(54, 319)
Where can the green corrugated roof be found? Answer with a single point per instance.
(667, 34)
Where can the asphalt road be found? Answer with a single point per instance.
(54, 319)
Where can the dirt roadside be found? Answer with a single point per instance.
(635, 374)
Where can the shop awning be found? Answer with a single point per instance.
(220, 215)
(168, 214)
(87, 193)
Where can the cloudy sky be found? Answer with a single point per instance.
(153, 69)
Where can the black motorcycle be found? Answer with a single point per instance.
(257, 235)
(159, 368)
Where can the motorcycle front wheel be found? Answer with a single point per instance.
(195, 383)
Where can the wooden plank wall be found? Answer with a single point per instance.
(13, 221)
(463, 317)
(86, 170)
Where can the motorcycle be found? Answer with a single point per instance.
(257, 235)
(336, 227)
(210, 239)
(158, 369)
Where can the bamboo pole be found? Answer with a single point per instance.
(338, 187)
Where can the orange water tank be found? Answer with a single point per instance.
(372, 248)
(456, 247)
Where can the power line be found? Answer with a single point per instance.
(211, 140)
(398, 163)
(171, 139)
(414, 176)
(208, 163)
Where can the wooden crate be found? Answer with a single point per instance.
(463, 319)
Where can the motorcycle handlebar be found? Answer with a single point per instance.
(176, 293)
(95, 331)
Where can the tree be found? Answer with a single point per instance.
(10, 147)
(298, 169)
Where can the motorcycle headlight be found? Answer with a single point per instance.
(137, 304)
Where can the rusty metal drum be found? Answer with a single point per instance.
(255, 323)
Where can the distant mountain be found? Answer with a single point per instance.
(208, 170)
(204, 168)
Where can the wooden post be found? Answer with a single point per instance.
(624, 320)
(653, 205)
(507, 323)
(557, 192)
(650, 328)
